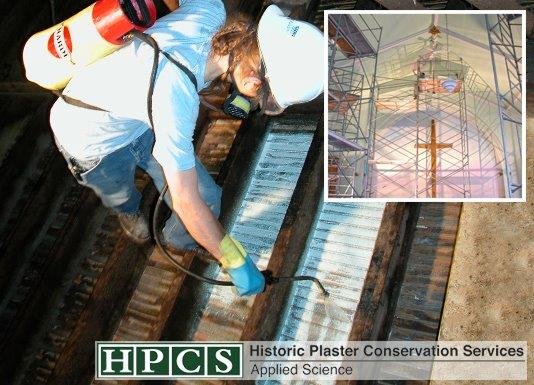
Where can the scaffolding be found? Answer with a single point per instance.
(483, 116)
(354, 42)
(422, 114)
(423, 86)
(437, 105)
(507, 55)
(420, 122)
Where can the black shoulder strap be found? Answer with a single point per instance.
(186, 70)
(151, 42)
(76, 102)
(146, 38)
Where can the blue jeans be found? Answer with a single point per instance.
(112, 179)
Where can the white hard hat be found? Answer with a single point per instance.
(293, 55)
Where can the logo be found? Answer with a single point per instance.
(168, 360)
(292, 29)
(60, 43)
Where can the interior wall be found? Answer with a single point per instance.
(394, 173)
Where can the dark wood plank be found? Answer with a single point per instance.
(30, 297)
(97, 322)
(250, 136)
(425, 282)
(384, 277)
(419, 303)
(385, 270)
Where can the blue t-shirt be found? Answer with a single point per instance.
(119, 83)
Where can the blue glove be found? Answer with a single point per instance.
(244, 274)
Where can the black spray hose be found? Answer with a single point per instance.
(166, 253)
(269, 278)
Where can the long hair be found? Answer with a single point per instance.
(236, 38)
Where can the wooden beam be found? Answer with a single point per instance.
(240, 157)
(400, 4)
(152, 301)
(265, 314)
(311, 11)
(97, 322)
(388, 259)
(206, 116)
(386, 270)
(415, 315)
(43, 278)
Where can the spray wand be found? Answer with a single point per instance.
(268, 274)
(269, 278)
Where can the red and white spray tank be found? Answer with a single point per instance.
(52, 56)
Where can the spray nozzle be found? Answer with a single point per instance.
(270, 280)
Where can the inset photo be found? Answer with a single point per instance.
(425, 105)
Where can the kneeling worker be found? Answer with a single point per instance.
(278, 62)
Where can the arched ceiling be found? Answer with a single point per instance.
(467, 38)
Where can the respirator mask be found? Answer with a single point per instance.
(236, 104)
(239, 106)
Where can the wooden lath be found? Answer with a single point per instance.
(266, 311)
(341, 101)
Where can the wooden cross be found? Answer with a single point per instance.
(433, 146)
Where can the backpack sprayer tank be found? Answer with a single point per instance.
(52, 56)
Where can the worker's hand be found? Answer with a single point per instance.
(246, 277)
